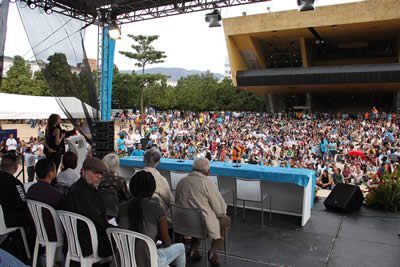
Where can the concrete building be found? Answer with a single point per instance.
(335, 58)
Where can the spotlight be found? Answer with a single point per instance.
(305, 5)
(213, 19)
(47, 9)
(31, 4)
(114, 32)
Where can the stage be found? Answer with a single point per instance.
(366, 238)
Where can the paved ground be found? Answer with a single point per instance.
(363, 238)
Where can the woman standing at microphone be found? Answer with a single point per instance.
(54, 146)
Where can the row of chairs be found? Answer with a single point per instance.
(245, 190)
(190, 223)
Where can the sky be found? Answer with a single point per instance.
(186, 39)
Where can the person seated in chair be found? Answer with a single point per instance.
(163, 192)
(196, 190)
(13, 202)
(325, 180)
(111, 181)
(143, 214)
(84, 199)
(68, 176)
(43, 191)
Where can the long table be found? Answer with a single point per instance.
(292, 190)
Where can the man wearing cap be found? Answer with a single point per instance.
(84, 199)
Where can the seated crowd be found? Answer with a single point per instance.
(317, 141)
(143, 208)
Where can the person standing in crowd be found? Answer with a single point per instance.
(30, 163)
(54, 139)
(196, 190)
(11, 144)
(84, 199)
(121, 144)
(144, 214)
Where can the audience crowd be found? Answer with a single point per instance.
(359, 147)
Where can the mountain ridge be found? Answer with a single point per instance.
(174, 73)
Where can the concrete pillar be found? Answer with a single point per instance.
(308, 101)
(396, 102)
(269, 103)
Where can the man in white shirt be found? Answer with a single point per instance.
(11, 144)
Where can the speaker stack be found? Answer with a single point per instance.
(103, 138)
(344, 198)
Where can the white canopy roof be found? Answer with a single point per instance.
(16, 107)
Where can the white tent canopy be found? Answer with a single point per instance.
(17, 107)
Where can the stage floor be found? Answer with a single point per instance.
(363, 238)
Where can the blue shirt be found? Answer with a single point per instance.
(121, 144)
(333, 145)
(137, 153)
(323, 145)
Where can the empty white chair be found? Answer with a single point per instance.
(5, 230)
(251, 190)
(37, 209)
(69, 221)
(124, 241)
(215, 179)
(175, 178)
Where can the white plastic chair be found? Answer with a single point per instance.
(37, 208)
(5, 230)
(125, 242)
(251, 190)
(69, 221)
(175, 178)
(215, 179)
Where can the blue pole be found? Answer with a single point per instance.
(107, 65)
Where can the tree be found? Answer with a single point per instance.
(59, 76)
(145, 54)
(19, 80)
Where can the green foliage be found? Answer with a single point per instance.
(201, 93)
(20, 81)
(125, 91)
(145, 54)
(386, 195)
(59, 76)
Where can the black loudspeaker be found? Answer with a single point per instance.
(344, 198)
(103, 138)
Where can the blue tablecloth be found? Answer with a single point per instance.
(299, 177)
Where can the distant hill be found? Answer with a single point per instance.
(174, 73)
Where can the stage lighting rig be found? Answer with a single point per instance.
(213, 19)
(305, 5)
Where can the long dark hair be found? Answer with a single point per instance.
(51, 124)
(142, 185)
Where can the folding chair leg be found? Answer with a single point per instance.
(206, 252)
(262, 212)
(225, 243)
(35, 253)
(244, 209)
(50, 255)
(270, 209)
(28, 253)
